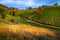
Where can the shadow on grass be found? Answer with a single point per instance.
(28, 36)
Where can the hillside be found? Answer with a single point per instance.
(9, 15)
(49, 15)
(26, 32)
(13, 25)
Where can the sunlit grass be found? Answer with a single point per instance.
(22, 30)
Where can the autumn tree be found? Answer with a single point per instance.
(36, 11)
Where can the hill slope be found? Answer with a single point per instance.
(25, 32)
(49, 15)
(45, 15)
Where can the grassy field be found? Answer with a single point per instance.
(49, 15)
(14, 27)
(25, 32)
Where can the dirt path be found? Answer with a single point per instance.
(40, 23)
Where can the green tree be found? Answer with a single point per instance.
(3, 13)
(29, 8)
(56, 4)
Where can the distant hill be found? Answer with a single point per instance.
(7, 15)
(49, 15)
(3, 6)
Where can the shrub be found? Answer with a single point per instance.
(3, 13)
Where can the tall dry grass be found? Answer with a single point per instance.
(26, 32)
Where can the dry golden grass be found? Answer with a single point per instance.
(22, 28)
(26, 32)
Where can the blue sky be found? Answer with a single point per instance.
(22, 4)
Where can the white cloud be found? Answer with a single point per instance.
(18, 2)
(27, 3)
(6, 1)
(30, 3)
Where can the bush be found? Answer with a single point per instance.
(3, 13)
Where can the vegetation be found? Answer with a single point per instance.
(25, 32)
(48, 15)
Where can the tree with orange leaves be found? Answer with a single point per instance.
(36, 11)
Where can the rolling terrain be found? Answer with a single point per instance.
(14, 27)
(25, 32)
(49, 15)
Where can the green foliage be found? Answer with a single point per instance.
(49, 15)
(29, 8)
(56, 4)
(4, 37)
(3, 13)
(46, 15)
